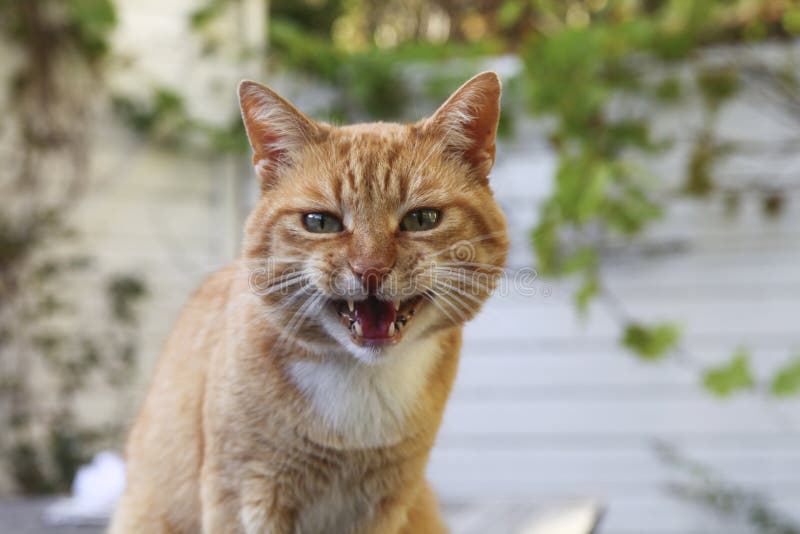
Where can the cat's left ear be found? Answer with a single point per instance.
(276, 129)
(468, 122)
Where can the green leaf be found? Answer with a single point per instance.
(731, 377)
(510, 12)
(718, 84)
(669, 90)
(92, 21)
(202, 16)
(584, 259)
(97, 16)
(585, 294)
(651, 343)
(124, 292)
(791, 21)
(544, 238)
(787, 380)
(773, 204)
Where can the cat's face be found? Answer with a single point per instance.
(368, 236)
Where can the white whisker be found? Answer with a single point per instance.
(462, 292)
(471, 241)
(435, 302)
(298, 318)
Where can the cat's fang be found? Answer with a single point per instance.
(357, 327)
(390, 332)
(350, 305)
(396, 305)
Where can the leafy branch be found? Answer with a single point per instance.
(601, 82)
(708, 489)
(63, 46)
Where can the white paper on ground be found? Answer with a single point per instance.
(577, 519)
(95, 491)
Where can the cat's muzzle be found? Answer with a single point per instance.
(376, 323)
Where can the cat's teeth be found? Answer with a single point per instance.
(396, 305)
(358, 329)
(350, 305)
(391, 330)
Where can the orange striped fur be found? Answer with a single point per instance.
(267, 413)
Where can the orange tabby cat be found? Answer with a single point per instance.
(303, 386)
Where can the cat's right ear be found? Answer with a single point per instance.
(276, 129)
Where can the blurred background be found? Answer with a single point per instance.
(648, 165)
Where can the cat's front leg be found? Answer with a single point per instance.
(264, 510)
(414, 511)
(220, 505)
(255, 508)
(389, 517)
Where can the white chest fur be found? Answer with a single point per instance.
(367, 404)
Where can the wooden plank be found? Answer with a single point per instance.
(548, 471)
(651, 512)
(544, 318)
(509, 366)
(647, 417)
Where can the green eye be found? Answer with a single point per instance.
(418, 220)
(322, 223)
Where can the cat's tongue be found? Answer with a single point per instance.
(375, 317)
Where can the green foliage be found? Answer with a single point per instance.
(70, 26)
(164, 116)
(588, 290)
(699, 172)
(60, 45)
(706, 488)
(510, 12)
(370, 82)
(601, 81)
(773, 203)
(787, 380)
(791, 21)
(728, 378)
(651, 342)
(93, 21)
(70, 445)
(26, 464)
(668, 91)
(203, 15)
(717, 85)
(573, 75)
(313, 17)
(124, 293)
(306, 53)
(164, 119)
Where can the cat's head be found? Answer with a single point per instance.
(371, 235)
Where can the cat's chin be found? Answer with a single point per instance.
(375, 323)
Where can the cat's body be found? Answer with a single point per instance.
(283, 411)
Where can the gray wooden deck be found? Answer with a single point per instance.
(500, 517)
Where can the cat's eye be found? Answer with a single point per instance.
(322, 223)
(419, 220)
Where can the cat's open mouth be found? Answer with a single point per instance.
(376, 323)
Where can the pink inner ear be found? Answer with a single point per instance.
(270, 152)
(481, 154)
(266, 163)
(469, 121)
(274, 127)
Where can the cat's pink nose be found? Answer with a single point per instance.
(371, 272)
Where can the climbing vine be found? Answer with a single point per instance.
(50, 348)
